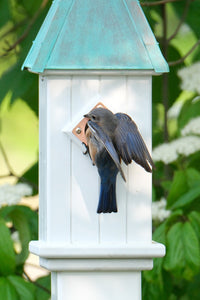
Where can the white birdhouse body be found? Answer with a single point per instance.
(70, 183)
(111, 59)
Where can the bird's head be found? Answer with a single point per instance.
(104, 118)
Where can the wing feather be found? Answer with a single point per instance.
(130, 144)
(103, 138)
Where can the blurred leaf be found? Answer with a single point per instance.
(25, 222)
(158, 121)
(174, 259)
(184, 188)
(193, 19)
(25, 290)
(174, 89)
(185, 34)
(7, 255)
(152, 291)
(191, 249)
(187, 198)
(190, 110)
(194, 218)
(178, 188)
(166, 185)
(172, 79)
(21, 224)
(159, 233)
(31, 175)
(153, 194)
(157, 89)
(22, 83)
(4, 12)
(174, 216)
(7, 291)
(193, 288)
(190, 240)
(31, 6)
(19, 135)
(32, 218)
(194, 161)
(32, 98)
(183, 251)
(193, 177)
(155, 275)
(45, 282)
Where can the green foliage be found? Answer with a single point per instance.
(12, 284)
(7, 290)
(19, 24)
(183, 251)
(175, 276)
(4, 6)
(25, 222)
(7, 255)
(24, 289)
(189, 110)
(45, 282)
(31, 175)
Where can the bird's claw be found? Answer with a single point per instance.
(85, 149)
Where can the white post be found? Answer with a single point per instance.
(92, 256)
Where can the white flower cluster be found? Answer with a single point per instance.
(159, 212)
(12, 194)
(190, 77)
(169, 152)
(192, 127)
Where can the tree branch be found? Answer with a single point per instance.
(158, 2)
(179, 61)
(37, 284)
(28, 28)
(185, 13)
(10, 170)
(13, 28)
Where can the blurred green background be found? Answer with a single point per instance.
(176, 149)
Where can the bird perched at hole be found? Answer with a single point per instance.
(112, 138)
(107, 170)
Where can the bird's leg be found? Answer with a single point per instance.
(86, 151)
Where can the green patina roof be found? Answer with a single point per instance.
(95, 35)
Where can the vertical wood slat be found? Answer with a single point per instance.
(42, 159)
(58, 160)
(84, 197)
(113, 226)
(139, 186)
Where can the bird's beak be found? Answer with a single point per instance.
(87, 116)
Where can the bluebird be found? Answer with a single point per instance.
(112, 138)
(107, 170)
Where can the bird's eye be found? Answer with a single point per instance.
(93, 117)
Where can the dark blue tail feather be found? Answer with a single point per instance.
(108, 173)
(107, 198)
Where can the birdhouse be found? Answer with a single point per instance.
(93, 53)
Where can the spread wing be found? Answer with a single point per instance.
(130, 144)
(103, 138)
